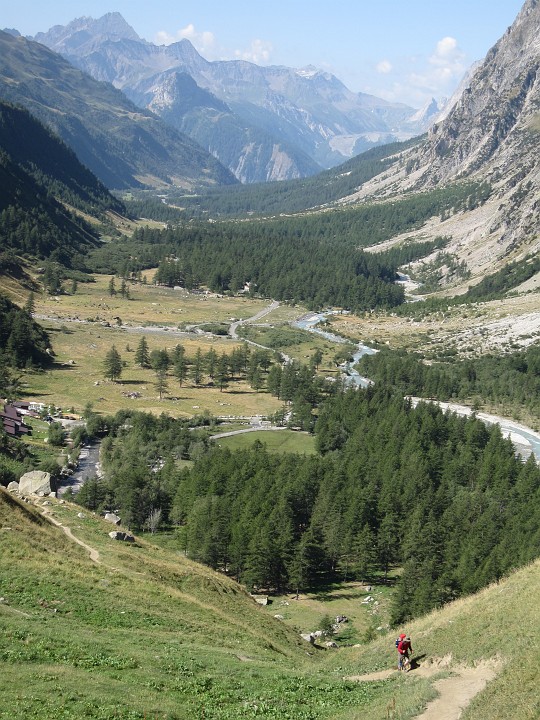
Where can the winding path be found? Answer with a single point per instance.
(94, 554)
(454, 693)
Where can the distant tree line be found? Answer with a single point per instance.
(290, 195)
(321, 190)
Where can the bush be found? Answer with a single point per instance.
(56, 434)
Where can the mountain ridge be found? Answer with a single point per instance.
(304, 114)
(490, 134)
(122, 144)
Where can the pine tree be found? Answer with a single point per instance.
(112, 365)
(197, 368)
(30, 305)
(181, 367)
(142, 355)
(222, 371)
(161, 382)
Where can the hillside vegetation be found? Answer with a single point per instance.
(121, 144)
(143, 632)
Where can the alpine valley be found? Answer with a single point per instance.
(270, 371)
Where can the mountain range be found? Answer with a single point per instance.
(487, 135)
(263, 123)
(123, 145)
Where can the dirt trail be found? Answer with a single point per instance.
(455, 692)
(94, 554)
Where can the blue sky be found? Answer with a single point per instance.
(403, 50)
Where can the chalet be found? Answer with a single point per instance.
(12, 422)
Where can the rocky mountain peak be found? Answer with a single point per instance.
(490, 135)
(81, 31)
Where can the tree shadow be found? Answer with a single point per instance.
(62, 366)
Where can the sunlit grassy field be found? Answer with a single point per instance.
(84, 325)
(77, 376)
(280, 441)
(147, 304)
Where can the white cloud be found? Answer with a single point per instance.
(435, 76)
(258, 52)
(204, 42)
(384, 67)
(446, 49)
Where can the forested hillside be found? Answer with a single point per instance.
(294, 195)
(442, 496)
(39, 175)
(51, 163)
(512, 379)
(22, 341)
(313, 258)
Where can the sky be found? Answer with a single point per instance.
(401, 50)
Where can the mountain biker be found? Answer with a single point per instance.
(404, 648)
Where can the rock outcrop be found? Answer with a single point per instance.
(36, 482)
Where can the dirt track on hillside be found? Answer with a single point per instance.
(94, 554)
(455, 692)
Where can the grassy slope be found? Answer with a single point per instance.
(501, 622)
(148, 633)
(144, 634)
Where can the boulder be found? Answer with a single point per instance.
(112, 518)
(308, 637)
(13, 486)
(330, 644)
(36, 482)
(123, 536)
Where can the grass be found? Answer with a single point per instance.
(149, 634)
(499, 622)
(77, 376)
(84, 326)
(282, 441)
(144, 634)
(299, 344)
(307, 612)
(148, 305)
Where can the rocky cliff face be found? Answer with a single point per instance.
(495, 121)
(491, 134)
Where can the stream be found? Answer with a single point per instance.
(525, 440)
(352, 376)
